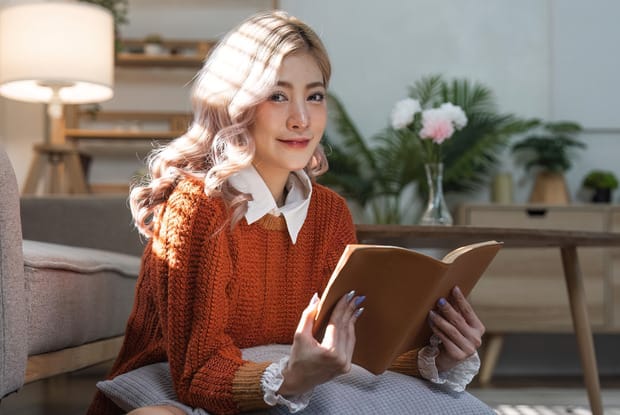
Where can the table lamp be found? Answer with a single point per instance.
(56, 53)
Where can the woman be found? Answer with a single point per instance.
(241, 238)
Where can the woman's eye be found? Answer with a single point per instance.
(318, 96)
(277, 97)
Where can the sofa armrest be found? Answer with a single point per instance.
(93, 221)
(13, 323)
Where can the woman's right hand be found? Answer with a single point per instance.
(311, 362)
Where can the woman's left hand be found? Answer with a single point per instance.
(459, 328)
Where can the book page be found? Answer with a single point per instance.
(452, 255)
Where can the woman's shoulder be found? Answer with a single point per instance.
(326, 197)
(322, 192)
(189, 199)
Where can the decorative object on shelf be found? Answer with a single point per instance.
(549, 151)
(179, 53)
(384, 178)
(153, 45)
(432, 127)
(65, 57)
(602, 183)
(501, 192)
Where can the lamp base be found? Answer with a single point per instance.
(63, 160)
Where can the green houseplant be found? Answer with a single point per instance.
(385, 176)
(548, 152)
(153, 44)
(602, 182)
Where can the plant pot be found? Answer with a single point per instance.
(550, 188)
(153, 49)
(601, 195)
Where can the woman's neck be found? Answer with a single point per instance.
(276, 183)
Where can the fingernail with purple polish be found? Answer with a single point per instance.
(359, 300)
(350, 295)
(314, 299)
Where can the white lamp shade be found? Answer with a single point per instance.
(56, 43)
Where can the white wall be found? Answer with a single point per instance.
(554, 59)
(527, 51)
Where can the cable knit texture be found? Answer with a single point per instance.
(205, 291)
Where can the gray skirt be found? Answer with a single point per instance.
(358, 392)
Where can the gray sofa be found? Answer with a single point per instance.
(66, 286)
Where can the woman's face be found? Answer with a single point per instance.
(289, 125)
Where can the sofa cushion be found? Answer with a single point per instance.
(84, 293)
(358, 392)
(93, 221)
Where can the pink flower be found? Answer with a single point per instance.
(436, 125)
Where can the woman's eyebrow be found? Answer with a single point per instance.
(308, 86)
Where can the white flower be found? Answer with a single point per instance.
(455, 114)
(403, 112)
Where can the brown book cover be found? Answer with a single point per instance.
(401, 286)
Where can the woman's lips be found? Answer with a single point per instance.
(296, 142)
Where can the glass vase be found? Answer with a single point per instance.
(436, 212)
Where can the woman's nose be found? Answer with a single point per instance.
(298, 118)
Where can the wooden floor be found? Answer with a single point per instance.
(71, 394)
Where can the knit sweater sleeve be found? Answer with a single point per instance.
(407, 363)
(192, 270)
(342, 231)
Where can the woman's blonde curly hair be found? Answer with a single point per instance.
(238, 75)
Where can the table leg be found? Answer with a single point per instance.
(35, 172)
(490, 355)
(581, 323)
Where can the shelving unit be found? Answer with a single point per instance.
(175, 53)
(123, 133)
(118, 133)
(83, 124)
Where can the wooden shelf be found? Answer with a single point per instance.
(168, 61)
(117, 135)
(175, 54)
(112, 126)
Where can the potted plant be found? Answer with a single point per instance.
(602, 182)
(549, 152)
(153, 44)
(384, 175)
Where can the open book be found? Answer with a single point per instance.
(401, 287)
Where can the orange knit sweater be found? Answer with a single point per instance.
(205, 291)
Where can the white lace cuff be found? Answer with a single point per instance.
(272, 380)
(456, 378)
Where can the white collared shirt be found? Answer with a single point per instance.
(295, 206)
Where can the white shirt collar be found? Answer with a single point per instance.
(295, 206)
